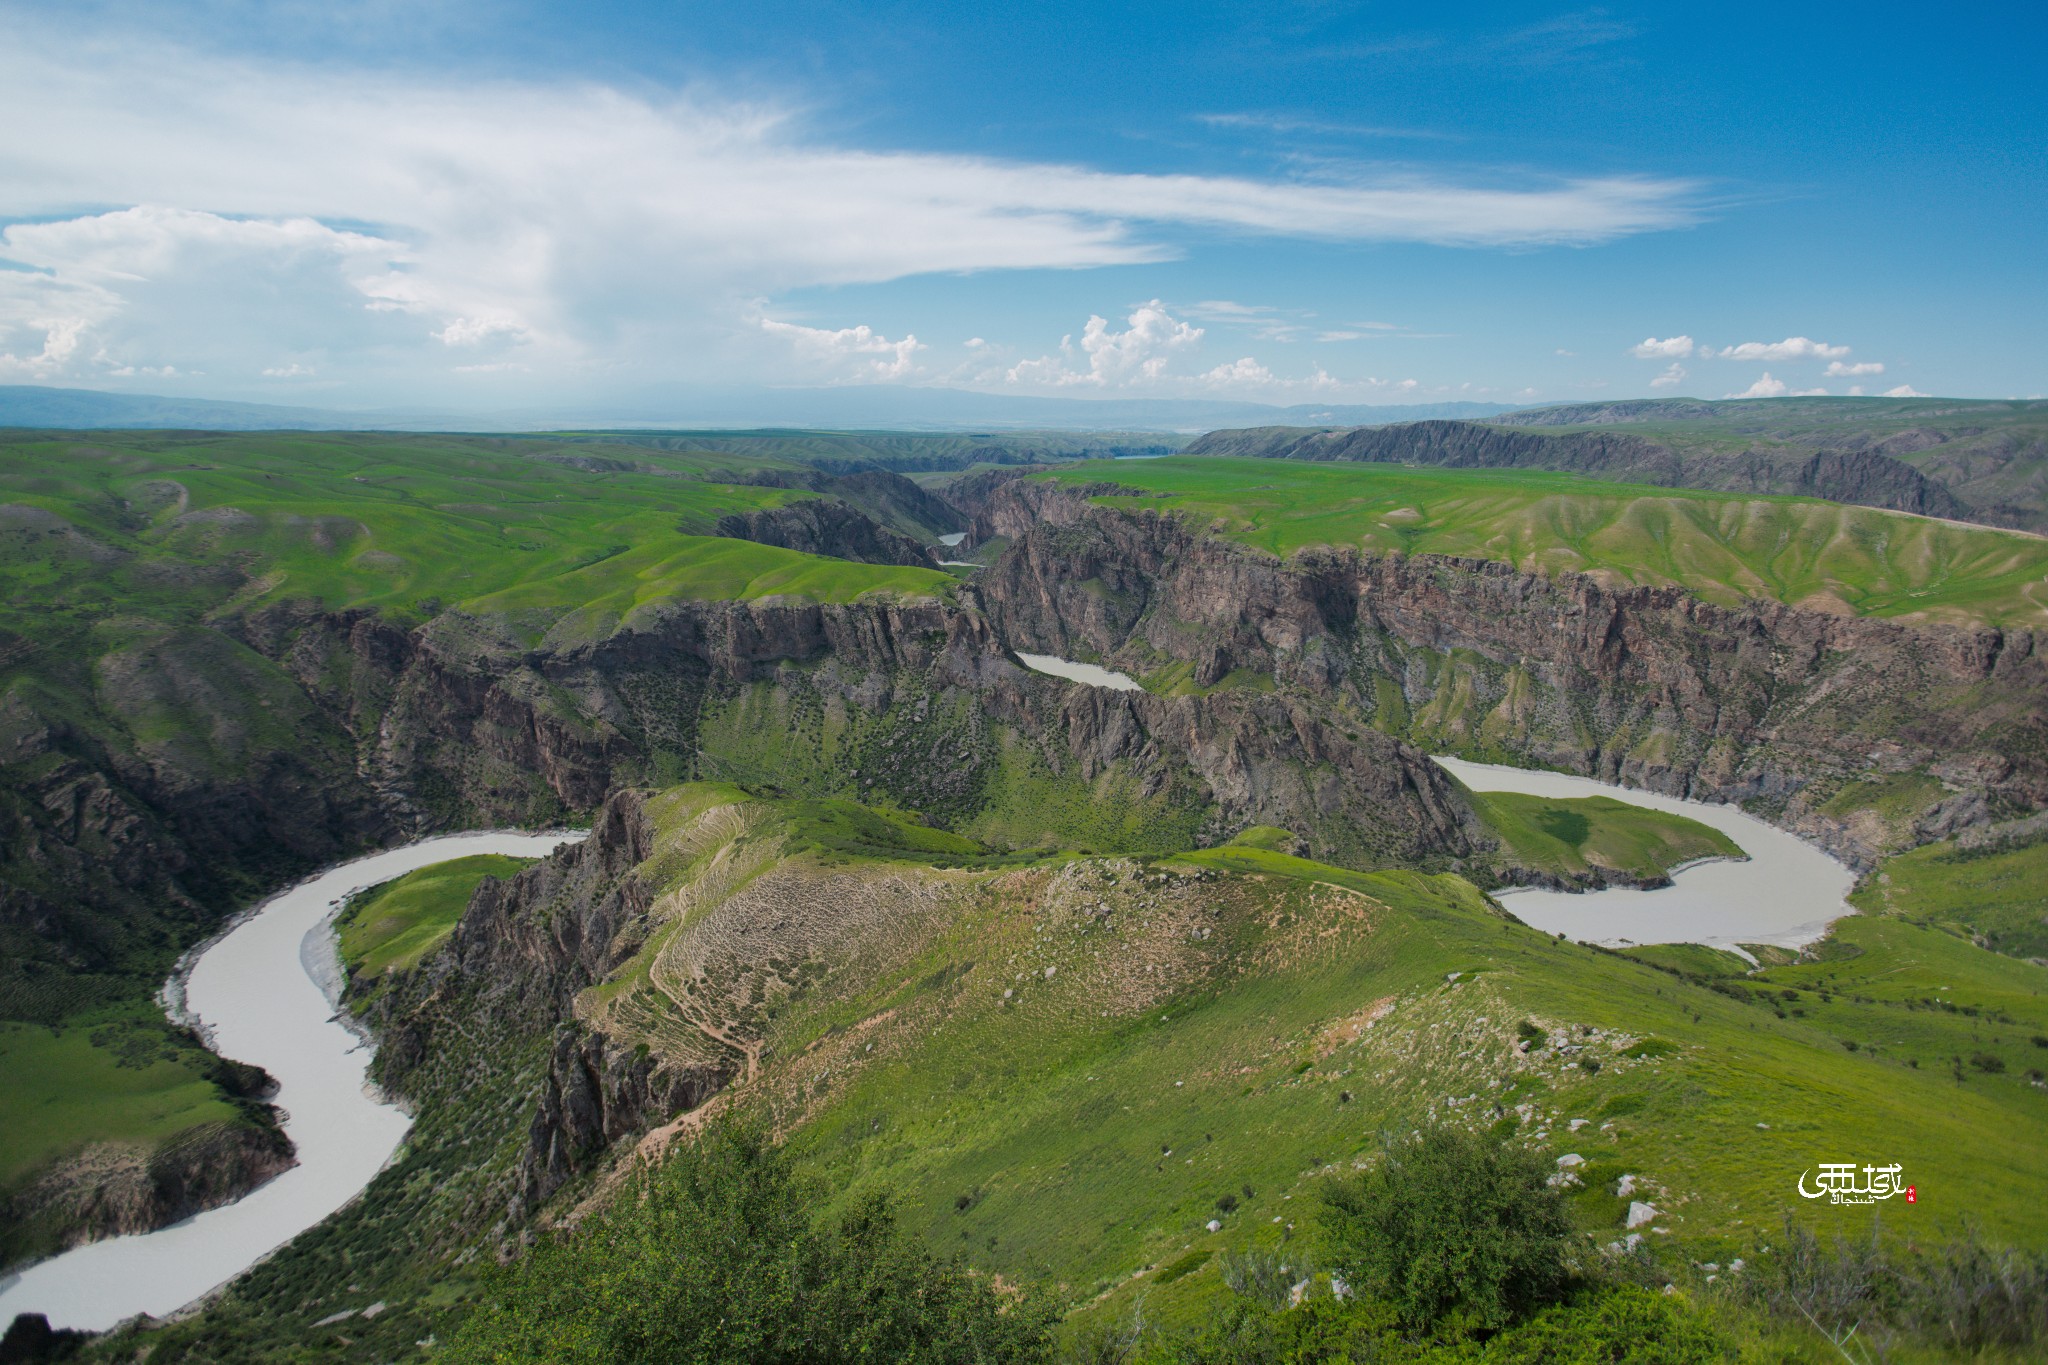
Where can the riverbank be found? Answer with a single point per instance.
(253, 996)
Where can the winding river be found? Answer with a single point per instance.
(1786, 893)
(261, 994)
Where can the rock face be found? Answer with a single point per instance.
(826, 526)
(1869, 478)
(1765, 703)
(110, 1190)
(595, 1094)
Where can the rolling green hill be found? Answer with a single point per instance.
(1068, 1068)
(1723, 547)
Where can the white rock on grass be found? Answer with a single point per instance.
(1213, 1225)
(1570, 1159)
(1625, 1187)
(1640, 1213)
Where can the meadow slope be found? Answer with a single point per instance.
(1722, 547)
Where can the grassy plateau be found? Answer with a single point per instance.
(1570, 837)
(1723, 547)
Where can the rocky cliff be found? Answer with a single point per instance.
(1765, 704)
(113, 1189)
(1867, 477)
(827, 526)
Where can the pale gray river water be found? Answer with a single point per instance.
(1786, 893)
(254, 991)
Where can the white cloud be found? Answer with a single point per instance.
(291, 371)
(167, 290)
(475, 331)
(1768, 387)
(1836, 369)
(1791, 348)
(1905, 391)
(1137, 355)
(1240, 372)
(1671, 348)
(1673, 374)
(862, 345)
(591, 225)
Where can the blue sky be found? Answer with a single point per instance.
(458, 204)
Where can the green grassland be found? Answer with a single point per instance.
(1574, 836)
(1990, 452)
(109, 1086)
(1067, 1065)
(1724, 547)
(112, 1081)
(160, 523)
(391, 927)
(1997, 894)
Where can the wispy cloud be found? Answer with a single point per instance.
(1791, 348)
(1836, 369)
(1673, 375)
(1299, 123)
(578, 224)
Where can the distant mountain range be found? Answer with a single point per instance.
(24, 405)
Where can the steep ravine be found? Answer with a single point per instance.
(1796, 714)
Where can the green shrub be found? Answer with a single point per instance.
(1623, 1324)
(1451, 1224)
(717, 1257)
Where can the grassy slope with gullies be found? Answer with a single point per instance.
(1723, 547)
(1067, 1065)
(1990, 452)
(1998, 894)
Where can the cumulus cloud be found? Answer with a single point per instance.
(857, 352)
(291, 371)
(1671, 348)
(1791, 348)
(1836, 369)
(1239, 372)
(115, 294)
(1137, 355)
(1905, 391)
(591, 224)
(1673, 374)
(1768, 387)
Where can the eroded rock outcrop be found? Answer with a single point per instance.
(113, 1189)
(826, 526)
(1762, 703)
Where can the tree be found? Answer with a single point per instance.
(716, 1256)
(1451, 1224)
